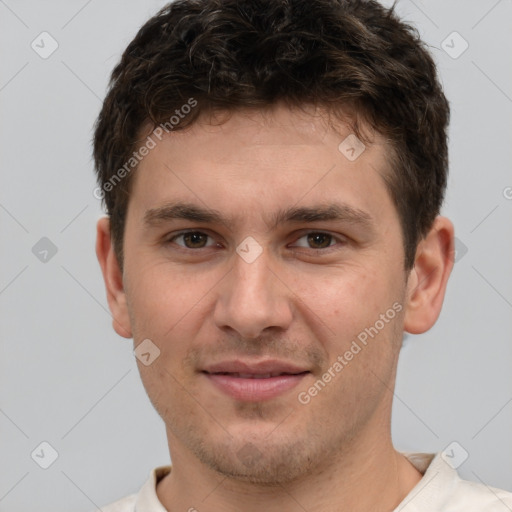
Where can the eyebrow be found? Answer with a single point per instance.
(304, 214)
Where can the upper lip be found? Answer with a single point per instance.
(255, 367)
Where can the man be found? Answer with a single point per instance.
(273, 173)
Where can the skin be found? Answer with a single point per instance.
(302, 300)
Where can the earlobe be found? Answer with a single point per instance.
(113, 279)
(426, 285)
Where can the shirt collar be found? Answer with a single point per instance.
(432, 491)
(147, 499)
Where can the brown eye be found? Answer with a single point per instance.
(319, 240)
(191, 239)
(316, 240)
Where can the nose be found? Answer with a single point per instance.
(252, 298)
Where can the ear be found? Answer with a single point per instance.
(113, 278)
(426, 284)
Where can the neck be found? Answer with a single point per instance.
(370, 477)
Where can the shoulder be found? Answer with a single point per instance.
(126, 504)
(474, 496)
(442, 489)
(145, 499)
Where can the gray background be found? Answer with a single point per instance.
(66, 377)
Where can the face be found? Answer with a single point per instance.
(267, 269)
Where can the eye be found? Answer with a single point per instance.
(317, 240)
(313, 240)
(192, 239)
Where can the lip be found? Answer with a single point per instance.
(254, 367)
(254, 381)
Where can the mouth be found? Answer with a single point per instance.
(256, 375)
(254, 382)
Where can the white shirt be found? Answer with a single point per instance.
(440, 490)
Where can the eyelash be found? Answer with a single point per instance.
(341, 241)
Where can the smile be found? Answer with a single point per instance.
(254, 387)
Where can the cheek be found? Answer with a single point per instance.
(351, 305)
(163, 298)
(347, 298)
(169, 307)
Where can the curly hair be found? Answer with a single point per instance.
(224, 55)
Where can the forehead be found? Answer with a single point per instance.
(275, 126)
(248, 159)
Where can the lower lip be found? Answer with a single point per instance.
(255, 390)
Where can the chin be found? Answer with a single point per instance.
(259, 461)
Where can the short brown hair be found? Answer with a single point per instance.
(226, 55)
